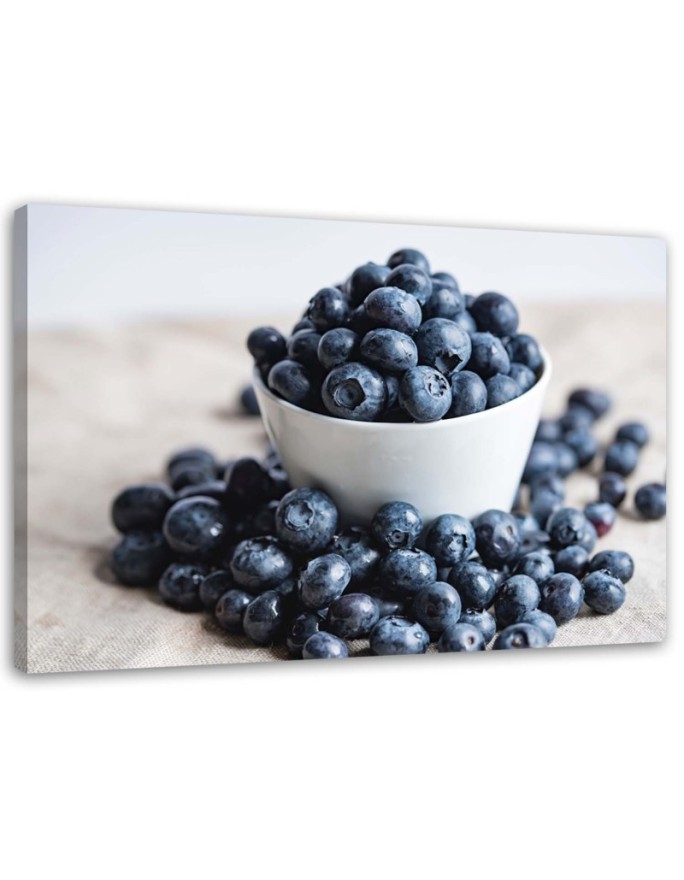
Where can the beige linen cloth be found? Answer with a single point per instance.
(106, 406)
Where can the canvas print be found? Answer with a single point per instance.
(243, 439)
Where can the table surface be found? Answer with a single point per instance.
(106, 407)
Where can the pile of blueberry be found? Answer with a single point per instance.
(397, 343)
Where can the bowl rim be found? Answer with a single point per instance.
(439, 424)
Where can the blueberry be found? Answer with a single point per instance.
(410, 256)
(501, 389)
(352, 616)
(450, 539)
(520, 635)
(461, 637)
(495, 314)
(444, 302)
(355, 545)
(263, 621)
(538, 566)
(230, 609)
(583, 444)
(635, 432)
(302, 324)
(468, 394)
(444, 345)
(360, 322)
(336, 347)
(622, 457)
(139, 558)
(293, 382)
(405, 571)
(262, 521)
(547, 481)
(365, 279)
(425, 394)
(497, 537)
(180, 584)
(389, 350)
(327, 309)
(561, 597)
(216, 489)
(302, 347)
(523, 376)
(524, 349)
(354, 391)
(474, 584)
(544, 622)
(572, 560)
(603, 593)
(390, 607)
(617, 563)
(489, 356)
(567, 526)
(396, 635)
(650, 501)
(196, 527)
(248, 484)
(482, 620)
(396, 524)
(445, 279)
(436, 607)
(142, 507)
(576, 418)
(413, 280)
(300, 630)
(324, 646)
(548, 430)
(515, 598)
(597, 402)
(249, 402)
(306, 520)
(213, 587)
(259, 564)
(391, 307)
(602, 516)
(612, 488)
(266, 345)
(190, 467)
(567, 458)
(543, 505)
(323, 580)
(588, 537)
(392, 391)
(466, 322)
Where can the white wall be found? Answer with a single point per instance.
(106, 264)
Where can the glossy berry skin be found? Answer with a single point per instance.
(413, 280)
(515, 598)
(475, 585)
(142, 507)
(230, 609)
(544, 622)
(460, 637)
(354, 391)
(352, 616)
(390, 607)
(263, 621)
(602, 516)
(306, 520)
(259, 564)
(302, 347)
(522, 376)
(300, 630)
(501, 389)
(213, 587)
(542, 459)
(196, 527)
(405, 571)
(248, 484)
(488, 356)
(139, 558)
(538, 566)
(603, 593)
(323, 580)
(180, 584)
(495, 313)
(635, 432)
(444, 302)
(497, 537)
(612, 488)
(622, 457)
(450, 539)
(543, 506)
(650, 501)
(396, 524)
(190, 472)
(597, 402)
(337, 347)
(436, 607)
(524, 349)
(520, 635)
(394, 308)
(249, 402)
(324, 646)
(466, 322)
(583, 444)
(482, 620)
(567, 526)
(388, 350)
(266, 345)
(327, 309)
(548, 430)
(396, 635)
(617, 563)
(365, 279)
(468, 394)
(293, 382)
(425, 394)
(411, 256)
(444, 345)
(445, 280)
(356, 546)
(561, 597)
(572, 560)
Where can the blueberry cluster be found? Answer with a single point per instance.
(397, 343)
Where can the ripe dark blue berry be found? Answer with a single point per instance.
(300, 630)
(482, 620)
(474, 584)
(445, 279)
(583, 444)
(450, 539)
(337, 347)
(539, 566)
(392, 307)
(572, 560)
(612, 488)
(425, 394)
(444, 345)
(355, 545)
(544, 621)
(405, 571)
(323, 580)
(230, 609)
(636, 432)
(259, 564)
(497, 537)
(306, 520)
(520, 635)
(396, 635)
(196, 527)
(411, 256)
(617, 563)
(468, 394)
(396, 524)
(495, 313)
(302, 347)
(501, 389)
(461, 637)
(436, 607)
(650, 501)
(327, 309)
(180, 584)
(266, 345)
(603, 593)
(622, 457)
(522, 376)
(515, 598)
(597, 402)
(324, 646)
(389, 350)
(264, 621)
(561, 597)
(248, 401)
(293, 382)
(413, 280)
(488, 356)
(602, 516)
(524, 349)
(444, 302)
(213, 587)
(567, 526)
(352, 616)
(142, 507)
(354, 391)
(139, 558)
(365, 279)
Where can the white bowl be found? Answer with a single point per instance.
(464, 465)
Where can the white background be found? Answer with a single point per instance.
(528, 115)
